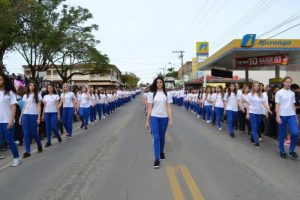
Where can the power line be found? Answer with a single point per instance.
(252, 14)
(285, 22)
(193, 22)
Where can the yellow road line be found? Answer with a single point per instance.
(191, 183)
(169, 139)
(175, 186)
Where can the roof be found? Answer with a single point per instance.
(225, 57)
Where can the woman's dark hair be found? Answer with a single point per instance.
(153, 87)
(54, 90)
(229, 90)
(35, 91)
(8, 85)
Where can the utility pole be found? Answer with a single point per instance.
(181, 57)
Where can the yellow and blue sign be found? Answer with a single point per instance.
(202, 48)
(248, 40)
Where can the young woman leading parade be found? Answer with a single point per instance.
(158, 116)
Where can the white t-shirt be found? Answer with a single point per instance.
(84, 100)
(50, 103)
(286, 100)
(219, 101)
(92, 100)
(30, 107)
(255, 104)
(160, 102)
(232, 101)
(5, 102)
(67, 99)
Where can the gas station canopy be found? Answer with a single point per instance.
(270, 52)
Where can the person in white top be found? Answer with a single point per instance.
(218, 106)
(243, 121)
(208, 104)
(286, 115)
(8, 101)
(231, 104)
(203, 97)
(158, 116)
(30, 118)
(254, 105)
(92, 105)
(84, 107)
(68, 101)
(98, 103)
(51, 113)
(211, 100)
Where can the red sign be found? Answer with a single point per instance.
(260, 61)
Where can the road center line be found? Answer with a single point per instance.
(174, 183)
(191, 183)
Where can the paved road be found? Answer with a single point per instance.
(113, 161)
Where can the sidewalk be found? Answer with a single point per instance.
(6, 162)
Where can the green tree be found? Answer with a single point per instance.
(10, 12)
(130, 79)
(35, 42)
(172, 73)
(74, 45)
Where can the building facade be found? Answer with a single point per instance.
(110, 80)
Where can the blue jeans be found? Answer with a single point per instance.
(51, 125)
(30, 131)
(208, 110)
(255, 120)
(231, 118)
(92, 113)
(9, 137)
(68, 119)
(158, 127)
(291, 121)
(84, 115)
(219, 114)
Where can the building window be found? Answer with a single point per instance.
(48, 72)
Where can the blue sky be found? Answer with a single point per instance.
(140, 35)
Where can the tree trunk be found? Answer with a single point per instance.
(2, 67)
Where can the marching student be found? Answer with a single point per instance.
(255, 102)
(211, 100)
(8, 101)
(92, 105)
(243, 121)
(84, 106)
(158, 116)
(218, 106)
(208, 104)
(286, 115)
(68, 101)
(51, 113)
(30, 118)
(203, 97)
(98, 103)
(231, 104)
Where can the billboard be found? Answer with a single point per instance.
(260, 61)
(202, 48)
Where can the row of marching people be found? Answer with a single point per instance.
(248, 108)
(44, 109)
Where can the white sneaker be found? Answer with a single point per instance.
(17, 142)
(2, 157)
(198, 116)
(208, 121)
(16, 162)
(260, 139)
(220, 129)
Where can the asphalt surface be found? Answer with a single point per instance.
(113, 160)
